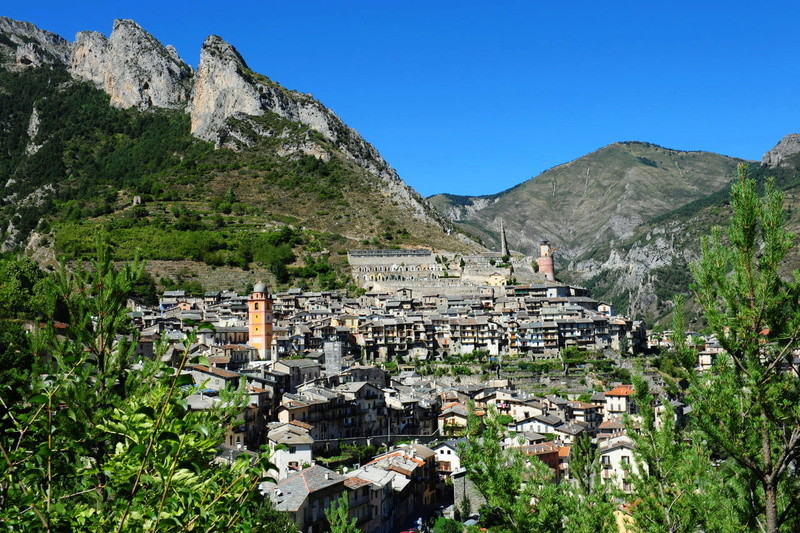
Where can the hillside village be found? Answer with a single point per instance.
(335, 392)
(387, 396)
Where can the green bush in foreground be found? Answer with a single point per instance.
(94, 445)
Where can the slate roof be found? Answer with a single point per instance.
(289, 494)
(290, 434)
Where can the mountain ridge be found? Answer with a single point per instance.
(99, 142)
(645, 178)
(136, 70)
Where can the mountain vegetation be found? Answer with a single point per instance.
(595, 200)
(281, 198)
(646, 271)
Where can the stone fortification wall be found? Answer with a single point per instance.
(420, 270)
(390, 257)
(446, 286)
(378, 266)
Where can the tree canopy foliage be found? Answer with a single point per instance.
(94, 443)
(748, 406)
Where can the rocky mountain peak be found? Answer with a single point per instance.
(24, 45)
(786, 147)
(225, 87)
(133, 67)
(220, 90)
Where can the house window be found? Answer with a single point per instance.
(292, 449)
(625, 460)
(255, 306)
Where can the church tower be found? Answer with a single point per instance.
(259, 320)
(503, 241)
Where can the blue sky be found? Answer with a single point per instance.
(475, 97)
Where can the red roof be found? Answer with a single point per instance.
(301, 424)
(622, 390)
(355, 482)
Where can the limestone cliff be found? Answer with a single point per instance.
(633, 274)
(24, 45)
(133, 67)
(220, 91)
(787, 147)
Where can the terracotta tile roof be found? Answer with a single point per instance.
(611, 424)
(542, 448)
(216, 371)
(621, 390)
(356, 483)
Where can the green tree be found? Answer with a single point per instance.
(447, 525)
(338, 515)
(570, 355)
(519, 492)
(21, 288)
(674, 486)
(748, 406)
(591, 506)
(99, 446)
(584, 466)
(16, 362)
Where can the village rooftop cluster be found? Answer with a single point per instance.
(325, 372)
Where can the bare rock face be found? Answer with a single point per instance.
(226, 87)
(221, 90)
(786, 147)
(33, 131)
(29, 46)
(132, 67)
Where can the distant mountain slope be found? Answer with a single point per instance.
(645, 272)
(218, 157)
(595, 200)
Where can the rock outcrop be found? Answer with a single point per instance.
(629, 270)
(25, 45)
(133, 67)
(226, 88)
(221, 91)
(786, 148)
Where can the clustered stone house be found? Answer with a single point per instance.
(293, 352)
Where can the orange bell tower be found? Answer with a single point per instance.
(259, 320)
